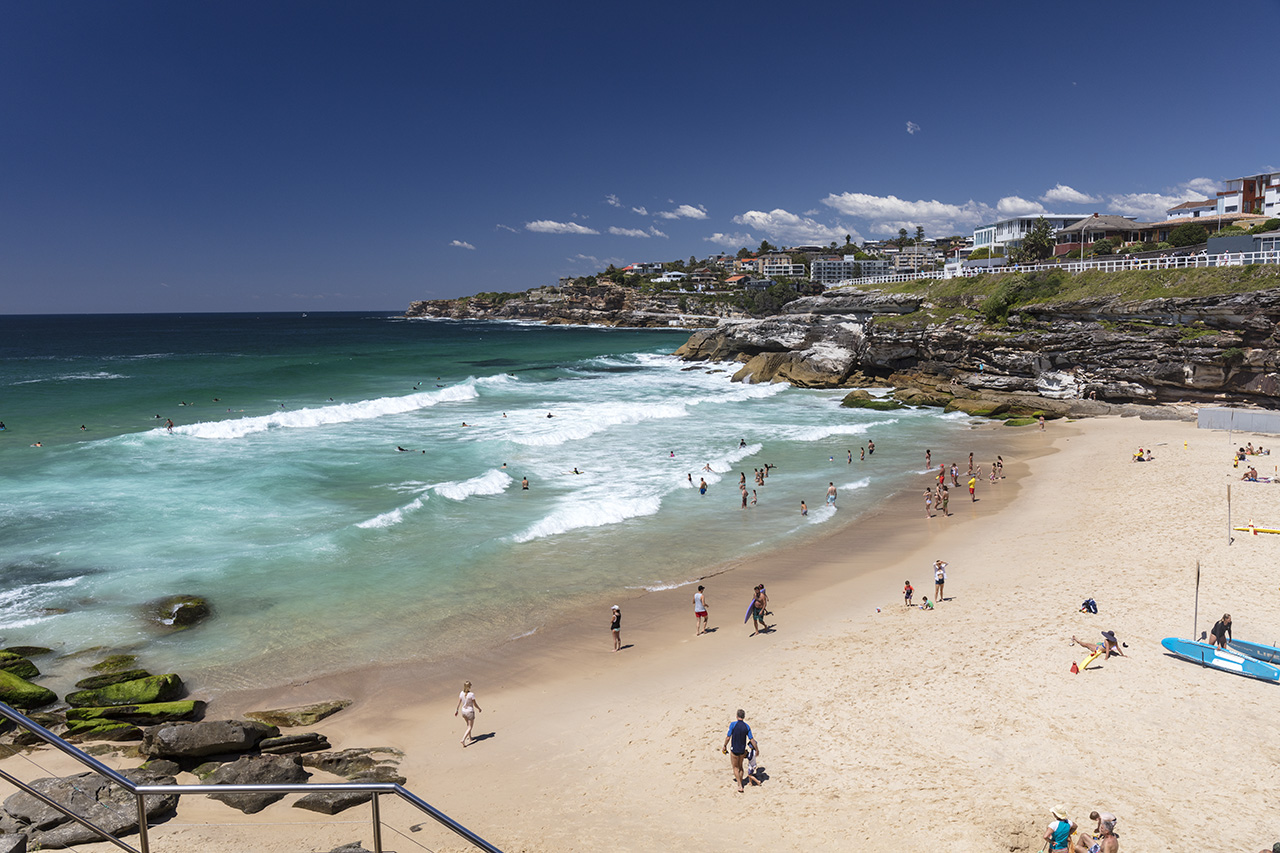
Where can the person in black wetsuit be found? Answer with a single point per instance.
(1221, 631)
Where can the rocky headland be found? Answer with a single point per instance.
(602, 304)
(1013, 346)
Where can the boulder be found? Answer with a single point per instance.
(256, 770)
(919, 397)
(95, 682)
(196, 740)
(115, 663)
(332, 802)
(300, 715)
(13, 844)
(91, 796)
(147, 715)
(108, 730)
(163, 766)
(859, 399)
(22, 694)
(352, 762)
(29, 651)
(305, 742)
(978, 408)
(380, 773)
(178, 612)
(139, 691)
(18, 665)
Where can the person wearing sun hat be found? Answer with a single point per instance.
(1059, 832)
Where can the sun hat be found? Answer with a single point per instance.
(1110, 635)
(1060, 812)
(616, 607)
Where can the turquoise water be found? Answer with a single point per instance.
(280, 493)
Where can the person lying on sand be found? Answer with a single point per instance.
(1110, 645)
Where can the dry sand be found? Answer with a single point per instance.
(879, 726)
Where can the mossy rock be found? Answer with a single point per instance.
(859, 399)
(22, 694)
(140, 691)
(917, 397)
(977, 408)
(18, 665)
(94, 682)
(115, 663)
(101, 730)
(178, 612)
(1016, 422)
(29, 651)
(144, 715)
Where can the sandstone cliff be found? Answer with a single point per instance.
(1076, 356)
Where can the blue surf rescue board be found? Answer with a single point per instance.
(1228, 661)
(1257, 651)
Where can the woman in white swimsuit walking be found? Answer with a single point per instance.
(467, 707)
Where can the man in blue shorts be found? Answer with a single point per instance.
(735, 744)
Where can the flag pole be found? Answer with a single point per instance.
(1195, 619)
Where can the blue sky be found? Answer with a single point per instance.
(236, 156)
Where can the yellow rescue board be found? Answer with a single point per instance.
(1090, 659)
(1258, 529)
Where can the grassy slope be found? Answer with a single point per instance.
(992, 296)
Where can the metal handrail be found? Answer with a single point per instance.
(142, 791)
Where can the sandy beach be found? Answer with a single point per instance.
(878, 725)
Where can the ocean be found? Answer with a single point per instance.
(346, 487)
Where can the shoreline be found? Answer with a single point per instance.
(649, 612)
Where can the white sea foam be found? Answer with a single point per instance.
(822, 513)
(660, 587)
(857, 484)
(493, 482)
(395, 516)
(594, 513)
(327, 415)
(581, 422)
(73, 377)
(817, 433)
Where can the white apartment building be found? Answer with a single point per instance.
(1252, 194)
(833, 272)
(1007, 233)
(778, 265)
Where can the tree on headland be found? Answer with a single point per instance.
(902, 237)
(1188, 234)
(919, 234)
(848, 239)
(1037, 245)
(765, 246)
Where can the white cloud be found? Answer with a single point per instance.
(1148, 207)
(913, 128)
(684, 211)
(1206, 187)
(785, 226)
(1063, 194)
(548, 226)
(628, 232)
(731, 241)
(640, 210)
(1012, 205)
(508, 228)
(889, 213)
(462, 244)
(612, 200)
(655, 232)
